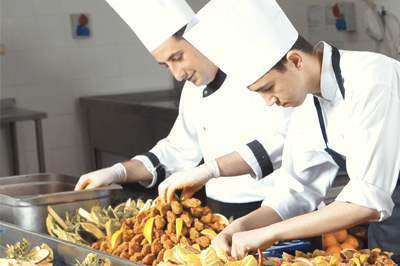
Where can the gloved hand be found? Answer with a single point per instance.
(190, 181)
(102, 177)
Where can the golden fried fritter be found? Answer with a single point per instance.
(196, 211)
(144, 242)
(171, 217)
(156, 246)
(160, 255)
(168, 244)
(141, 216)
(191, 203)
(198, 225)
(164, 238)
(206, 210)
(163, 208)
(218, 226)
(137, 238)
(138, 229)
(136, 257)
(155, 262)
(127, 235)
(207, 218)
(158, 232)
(176, 207)
(187, 219)
(159, 222)
(146, 249)
(203, 241)
(134, 247)
(171, 228)
(148, 259)
(125, 255)
(193, 233)
(185, 241)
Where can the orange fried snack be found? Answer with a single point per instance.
(136, 247)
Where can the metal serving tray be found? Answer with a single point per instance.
(65, 253)
(24, 198)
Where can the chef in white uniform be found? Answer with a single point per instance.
(347, 116)
(237, 135)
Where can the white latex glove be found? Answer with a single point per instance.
(102, 177)
(189, 180)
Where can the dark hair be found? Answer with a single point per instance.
(302, 45)
(179, 34)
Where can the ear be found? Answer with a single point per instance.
(294, 58)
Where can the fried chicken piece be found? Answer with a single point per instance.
(176, 207)
(124, 247)
(163, 208)
(155, 262)
(134, 247)
(148, 259)
(185, 241)
(136, 257)
(187, 218)
(174, 238)
(146, 249)
(105, 244)
(141, 216)
(127, 235)
(196, 211)
(171, 228)
(156, 246)
(191, 203)
(137, 238)
(184, 230)
(206, 226)
(160, 222)
(193, 233)
(206, 210)
(218, 227)
(207, 218)
(171, 217)
(125, 227)
(160, 256)
(168, 244)
(198, 225)
(138, 229)
(125, 255)
(158, 232)
(203, 241)
(164, 238)
(144, 242)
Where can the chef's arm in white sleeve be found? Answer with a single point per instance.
(193, 179)
(233, 164)
(251, 232)
(129, 171)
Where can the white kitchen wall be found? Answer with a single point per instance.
(45, 69)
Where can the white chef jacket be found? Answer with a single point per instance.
(219, 124)
(365, 128)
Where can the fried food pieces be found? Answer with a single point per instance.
(347, 257)
(136, 247)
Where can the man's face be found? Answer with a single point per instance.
(288, 89)
(185, 62)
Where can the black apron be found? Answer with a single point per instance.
(386, 234)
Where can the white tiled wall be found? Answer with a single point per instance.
(45, 69)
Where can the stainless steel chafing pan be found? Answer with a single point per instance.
(24, 198)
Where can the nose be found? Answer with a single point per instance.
(177, 71)
(269, 99)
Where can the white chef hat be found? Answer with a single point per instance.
(153, 21)
(245, 38)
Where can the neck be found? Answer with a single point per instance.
(316, 72)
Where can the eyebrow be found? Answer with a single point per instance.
(169, 58)
(263, 86)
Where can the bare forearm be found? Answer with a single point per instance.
(263, 216)
(136, 171)
(334, 217)
(233, 165)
